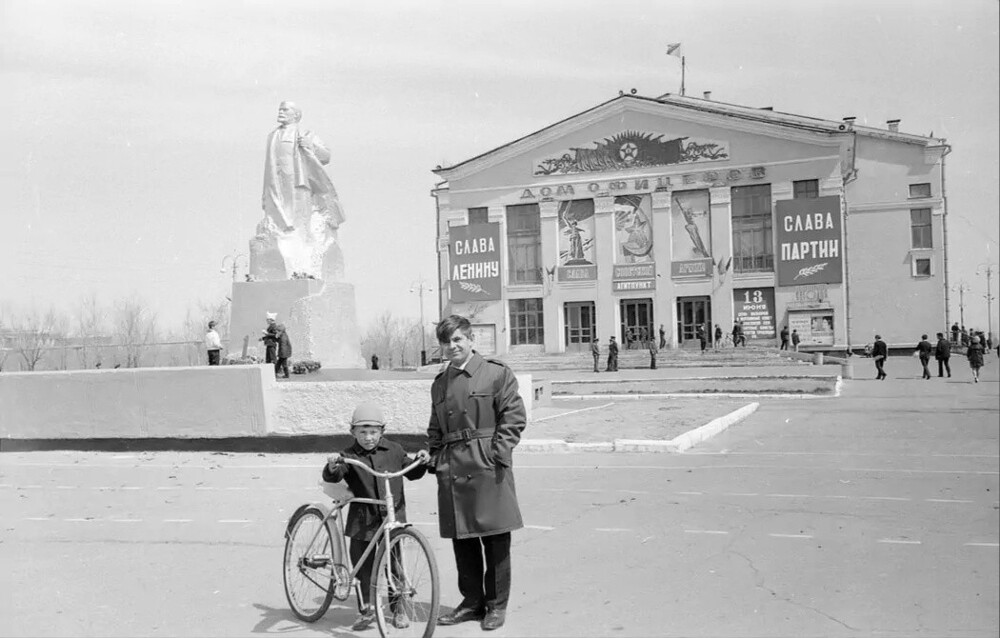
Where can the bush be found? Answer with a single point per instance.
(302, 367)
(235, 360)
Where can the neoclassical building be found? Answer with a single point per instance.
(648, 213)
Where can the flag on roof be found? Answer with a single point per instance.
(674, 49)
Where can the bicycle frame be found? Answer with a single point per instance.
(382, 535)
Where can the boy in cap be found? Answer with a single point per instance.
(363, 520)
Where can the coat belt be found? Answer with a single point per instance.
(466, 434)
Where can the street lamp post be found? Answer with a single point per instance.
(988, 268)
(235, 258)
(422, 287)
(961, 288)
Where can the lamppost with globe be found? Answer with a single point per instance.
(235, 258)
(422, 287)
(961, 288)
(989, 270)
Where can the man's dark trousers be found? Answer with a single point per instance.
(923, 362)
(878, 366)
(942, 366)
(489, 587)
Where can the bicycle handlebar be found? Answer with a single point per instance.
(384, 475)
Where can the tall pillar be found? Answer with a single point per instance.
(604, 256)
(551, 310)
(664, 307)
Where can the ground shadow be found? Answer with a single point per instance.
(336, 621)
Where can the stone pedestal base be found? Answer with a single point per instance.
(320, 318)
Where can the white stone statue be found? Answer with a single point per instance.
(297, 238)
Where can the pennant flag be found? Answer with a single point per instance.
(674, 49)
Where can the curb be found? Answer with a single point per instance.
(677, 444)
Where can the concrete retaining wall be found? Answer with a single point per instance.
(201, 402)
(208, 402)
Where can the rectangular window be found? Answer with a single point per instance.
(805, 189)
(753, 242)
(920, 190)
(524, 244)
(527, 324)
(920, 228)
(922, 267)
(479, 215)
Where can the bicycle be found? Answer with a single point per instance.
(317, 565)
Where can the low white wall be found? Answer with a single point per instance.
(189, 402)
(326, 407)
(201, 402)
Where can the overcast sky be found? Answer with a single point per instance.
(133, 132)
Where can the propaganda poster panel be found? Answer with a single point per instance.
(474, 260)
(691, 234)
(815, 327)
(576, 241)
(633, 229)
(755, 308)
(809, 241)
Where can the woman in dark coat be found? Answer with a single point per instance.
(975, 355)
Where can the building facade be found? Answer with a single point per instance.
(642, 214)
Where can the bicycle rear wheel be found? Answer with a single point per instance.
(405, 586)
(311, 552)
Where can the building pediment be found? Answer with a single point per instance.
(641, 134)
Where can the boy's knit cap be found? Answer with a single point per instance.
(368, 414)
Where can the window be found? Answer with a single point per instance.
(526, 322)
(753, 244)
(524, 244)
(922, 267)
(920, 190)
(805, 189)
(479, 215)
(920, 228)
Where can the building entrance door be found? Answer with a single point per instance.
(637, 323)
(579, 319)
(692, 311)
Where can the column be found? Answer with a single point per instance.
(606, 303)
(664, 305)
(551, 304)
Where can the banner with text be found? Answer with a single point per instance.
(576, 240)
(809, 245)
(474, 259)
(633, 277)
(755, 308)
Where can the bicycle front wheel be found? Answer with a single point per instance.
(405, 586)
(311, 553)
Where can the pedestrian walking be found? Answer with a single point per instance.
(924, 350)
(954, 332)
(663, 337)
(796, 338)
(612, 355)
(652, 355)
(975, 356)
(702, 337)
(942, 352)
(784, 338)
(475, 424)
(879, 352)
(595, 351)
(213, 344)
(718, 337)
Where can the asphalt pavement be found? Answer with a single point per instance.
(871, 514)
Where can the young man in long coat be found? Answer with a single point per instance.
(476, 421)
(942, 352)
(880, 352)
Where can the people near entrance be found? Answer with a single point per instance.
(699, 332)
(796, 338)
(954, 332)
(270, 342)
(942, 352)
(475, 424)
(652, 354)
(663, 337)
(738, 336)
(784, 338)
(879, 352)
(924, 350)
(612, 355)
(282, 344)
(371, 448)
(375, 362)
(718, 337)
(213, 344)
(975, 356)
(595, 351)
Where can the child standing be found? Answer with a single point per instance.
(975, 355)
(363, 520)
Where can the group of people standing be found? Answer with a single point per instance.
(941, 351)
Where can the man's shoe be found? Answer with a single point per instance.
(365, 620)
(460, 615)
(494, 619)
(400, 621)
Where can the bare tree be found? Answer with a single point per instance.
(196, 323)
(134, 326)
(33, 333)
(91, 326)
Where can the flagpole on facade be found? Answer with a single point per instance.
(682, 74)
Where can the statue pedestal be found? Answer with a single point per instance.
(320, 318)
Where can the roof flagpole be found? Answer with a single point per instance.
(674, 49)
